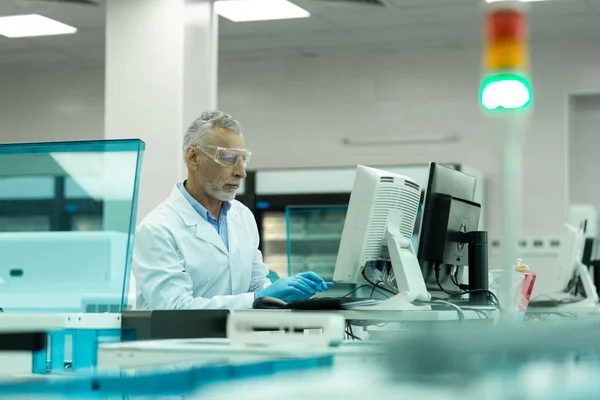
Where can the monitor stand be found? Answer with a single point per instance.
(407, 271)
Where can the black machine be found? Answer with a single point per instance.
(449, 233)
(173, 324)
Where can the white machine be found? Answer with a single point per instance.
(571, 265)
(42, 271)
(256, 328)
(587, 214)
(378, 229)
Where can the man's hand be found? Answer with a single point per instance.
(300, 287)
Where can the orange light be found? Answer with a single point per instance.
(506, 54)
(505, 39)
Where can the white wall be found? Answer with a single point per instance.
(296, 110)
(584, 150)
(64, 104)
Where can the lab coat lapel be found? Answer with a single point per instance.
(204, 230)
(234, 226)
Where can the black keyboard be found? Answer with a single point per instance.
(323, 303)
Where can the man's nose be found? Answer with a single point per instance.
(240, 170)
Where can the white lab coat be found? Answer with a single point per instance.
(181, 262)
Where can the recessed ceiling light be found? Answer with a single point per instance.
(521, 1)
(259, 10)
(15, 26)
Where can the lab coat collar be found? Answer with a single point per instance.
(204, 230)
(198, 207)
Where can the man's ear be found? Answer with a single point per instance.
(191, 157)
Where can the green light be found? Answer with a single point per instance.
(506, 92)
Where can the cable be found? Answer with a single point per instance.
(375, 284)
(350, 333)
(489, 292)
(461, 314)
(366, 286)
(455, 281)
(373, 289)
(478, 312)
(381, 293)
(354, 291)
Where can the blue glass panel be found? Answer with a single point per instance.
(60, 267)
(26, 187)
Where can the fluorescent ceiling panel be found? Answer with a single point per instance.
(15, 26)
(522, 1)
(259, 10)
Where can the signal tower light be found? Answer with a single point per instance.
(505, 84)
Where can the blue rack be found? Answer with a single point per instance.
(175, 379)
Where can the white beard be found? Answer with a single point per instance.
(219, 194)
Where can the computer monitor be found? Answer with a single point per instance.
(447, 181)
(574, 276)
(570, 256)
(376, 239)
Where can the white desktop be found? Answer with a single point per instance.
(573, 286)
(571, 268)
(377, 232)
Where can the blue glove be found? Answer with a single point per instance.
(288, 289)
(315, 281)
(300, 287)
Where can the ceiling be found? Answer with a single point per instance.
(332, 26)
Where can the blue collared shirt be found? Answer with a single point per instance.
(220, 225)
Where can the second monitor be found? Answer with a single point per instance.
(450, 235)
(376, 246)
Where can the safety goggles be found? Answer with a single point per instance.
(226, 157)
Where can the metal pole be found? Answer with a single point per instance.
(514, 126)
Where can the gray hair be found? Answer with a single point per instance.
(199, 130)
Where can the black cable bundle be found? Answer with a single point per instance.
(463, 291)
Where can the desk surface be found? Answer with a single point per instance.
(15, 322)
(161, 352)
(565, 309)
(378, 316)
(414, 316)
(26, 323)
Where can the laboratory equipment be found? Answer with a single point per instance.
(449, 229)
(442, 180)
(92, 261)
(591, 258)
(378, 229)
(573, 277)
(249, 328)
(85, 197)
(573, 285)
(585, 213)
(173, 324)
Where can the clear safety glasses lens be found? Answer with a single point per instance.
(232, 157)
(227, 157)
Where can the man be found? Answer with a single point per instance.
(199, 248)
